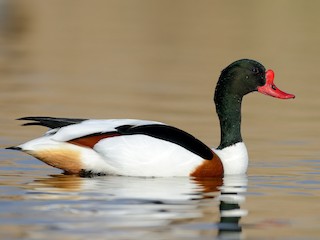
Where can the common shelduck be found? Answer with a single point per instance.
(153, 149)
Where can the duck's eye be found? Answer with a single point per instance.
(255, 70)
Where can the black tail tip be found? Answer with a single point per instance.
(14, 148)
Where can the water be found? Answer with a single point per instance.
(40, 203)
(160, 60)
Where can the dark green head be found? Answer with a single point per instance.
(244, 76)
(240, 78)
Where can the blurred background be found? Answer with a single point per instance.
(160, 60)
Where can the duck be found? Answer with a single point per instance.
(143, 148)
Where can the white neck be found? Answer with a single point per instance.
(234, 158)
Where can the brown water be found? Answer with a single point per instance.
(160, 60)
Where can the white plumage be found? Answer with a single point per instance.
(234, 158)
(92, 126)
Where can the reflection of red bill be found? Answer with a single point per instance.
(271, 90)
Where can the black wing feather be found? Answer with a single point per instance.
(51, 122)
(170, 134)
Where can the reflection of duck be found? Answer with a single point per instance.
(132, 187)
(175, 202)
(230, 211)
(146, 148)
(60, 182)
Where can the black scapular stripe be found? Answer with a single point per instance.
(170, 134)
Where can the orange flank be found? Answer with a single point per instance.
(65, 159)
(209, 168)
(91, 140)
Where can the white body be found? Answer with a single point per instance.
(234, 158)
(132, 155)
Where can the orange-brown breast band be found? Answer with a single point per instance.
(91, 140)
(209, 168)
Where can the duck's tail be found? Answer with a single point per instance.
(51, 122)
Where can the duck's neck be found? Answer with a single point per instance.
(228, 107)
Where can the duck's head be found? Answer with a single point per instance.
(238, 79)
(244, 76)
